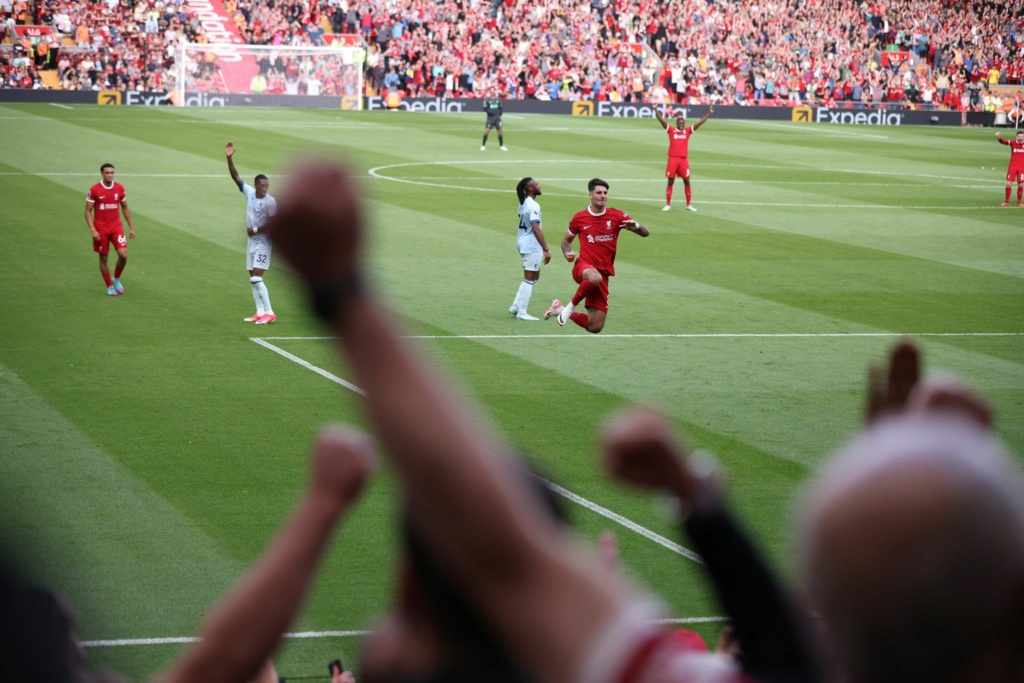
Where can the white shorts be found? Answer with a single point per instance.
(258, 254)
(532, 261)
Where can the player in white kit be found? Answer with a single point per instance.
(260, 206)
(533, 248)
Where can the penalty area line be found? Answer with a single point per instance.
(567, 494)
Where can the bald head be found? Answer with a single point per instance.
(913, 551)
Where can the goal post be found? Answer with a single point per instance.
(316, 77)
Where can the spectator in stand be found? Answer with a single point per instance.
(913, 539)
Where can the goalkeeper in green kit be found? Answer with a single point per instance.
(493, 108)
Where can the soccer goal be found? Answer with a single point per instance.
(320, 77)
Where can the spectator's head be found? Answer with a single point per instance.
(914, 554)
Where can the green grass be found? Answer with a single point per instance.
(151, 449)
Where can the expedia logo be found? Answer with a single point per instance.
(803, 114)
(582, 108)
(350, 102)
(108, 97)
(624, 111)
(147, 99)
(437, 104)
(878, 117)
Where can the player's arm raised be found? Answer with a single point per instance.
(229, 152)
(567, 251)
(1001, 140)
(711, 110)
(660, 115)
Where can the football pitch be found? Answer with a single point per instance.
(153, 442)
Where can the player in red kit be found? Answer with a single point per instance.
(1015, 173)
(103, 206)
(598, 226)
(678, 149)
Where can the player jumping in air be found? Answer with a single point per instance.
(1015, 172)
(103, 206)
(260, 206)
(598, 226)
(533, 247)
(493, 107)
(678, 148)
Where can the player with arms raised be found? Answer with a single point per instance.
(598, 226)
(1015, 172)
(103, 206)
(260, 206)
(678, 149)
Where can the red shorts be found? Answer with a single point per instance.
(595, 298)
(678, 167)
(1015, 174)
(115, 237)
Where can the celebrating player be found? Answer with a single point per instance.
(1015, 172)
(678, 148)
(532, 245)
(598, 226)
(493, 107)
(103, 206)
(260, 206)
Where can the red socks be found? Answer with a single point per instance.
(1020, 192)
(580, 319)
(668, 195)
(1007, 193)
(118, 271)
(106, 278)
(688, 194)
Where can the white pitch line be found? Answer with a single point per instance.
(182, 640)
(375, 172)
(579, 500)
(54, 104)
(695, 335)
(629, 524)
(309, 366)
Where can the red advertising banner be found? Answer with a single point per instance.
(33, 33)
(629, 48)
(894, 58)
(226, 42)
(343, 39)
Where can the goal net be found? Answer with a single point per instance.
(226, 74)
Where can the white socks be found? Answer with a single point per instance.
(523, 296)
(261, 296)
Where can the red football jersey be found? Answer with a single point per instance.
(599, 236)
(107, 207)
(1016, 153)
(679, 141)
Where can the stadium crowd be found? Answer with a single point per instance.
(903, 52)
(911, 540)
